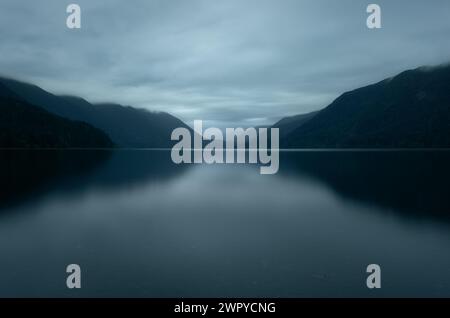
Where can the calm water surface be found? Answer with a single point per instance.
(140, 226)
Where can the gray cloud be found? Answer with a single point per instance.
(230, 62)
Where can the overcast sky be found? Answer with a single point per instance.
(227, 62)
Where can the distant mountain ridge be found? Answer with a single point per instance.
(23, 125)
(131, 127)
(410, 110)
(125, 125)
(289, 124)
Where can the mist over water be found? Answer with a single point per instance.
(141, 226)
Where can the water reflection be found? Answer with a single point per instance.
(141, 226)
(410, 183)
(30, 175)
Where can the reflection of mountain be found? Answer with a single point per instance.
(27, 176)
(26, 126)
(127, 126)
(133, 167)
(408, 110)
(409, 182)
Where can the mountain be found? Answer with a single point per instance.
(289, 124)
(127, 126)
(410, 110)
(131, 127)
(23, 125)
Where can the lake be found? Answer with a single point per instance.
(141, 226)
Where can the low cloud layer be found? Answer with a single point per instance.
(228, 63)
